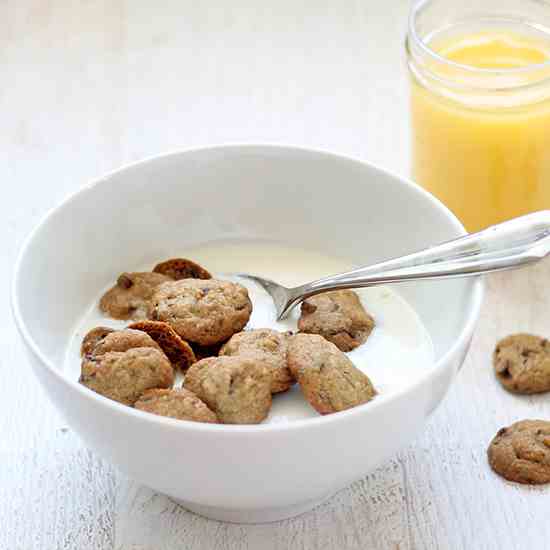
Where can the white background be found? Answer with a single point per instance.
(87, 86)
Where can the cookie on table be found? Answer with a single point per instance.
(328, 379)
(339, 316)
(522, 363)
(101, 340)
(268, 347)
(182, 268)
(237, 389)
(521, 452)
(124, 375)
(177, 403)
(178, 351)
(205, 312)
(129, 298)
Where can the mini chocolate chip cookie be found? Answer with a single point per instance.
(177, 350)
(92, 339)
(181, 268)
(329, 380)
(265, 346)
(237, 389)
(522, 363)
(101, 340)
(339, 316)
(129, 298)
(202, 311)
(521, 452)
(178, 403)
(124, 375)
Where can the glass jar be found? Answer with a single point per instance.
(480, 106)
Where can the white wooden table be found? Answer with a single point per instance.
(87, 86)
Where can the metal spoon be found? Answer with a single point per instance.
(512, 244)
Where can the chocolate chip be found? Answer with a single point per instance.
(124, 281)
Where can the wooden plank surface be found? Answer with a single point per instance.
(87, 86)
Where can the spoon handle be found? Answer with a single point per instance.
(512, 244)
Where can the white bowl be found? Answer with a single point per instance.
(153, 209)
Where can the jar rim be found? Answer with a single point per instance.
(419, 5)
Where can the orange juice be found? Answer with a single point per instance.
(481, 124)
